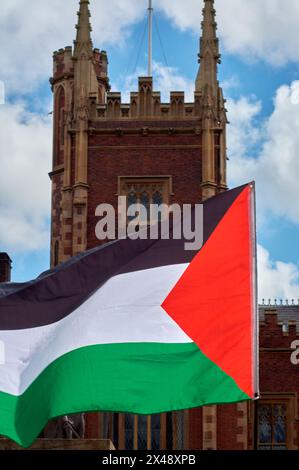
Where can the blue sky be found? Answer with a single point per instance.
(259, 73)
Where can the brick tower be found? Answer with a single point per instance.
(146, 150)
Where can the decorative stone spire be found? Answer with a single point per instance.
(85, 76)
(86, 86)
(209, 55)
(83, 39)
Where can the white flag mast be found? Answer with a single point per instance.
(150, 38)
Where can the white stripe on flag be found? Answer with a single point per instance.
(125, 309)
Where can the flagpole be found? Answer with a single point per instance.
(150, 38)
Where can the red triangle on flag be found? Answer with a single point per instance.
(213, 301)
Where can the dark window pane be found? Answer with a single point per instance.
(157, 198)
(156, 431)
(272, 426)
(142, 432)
(264, 424)
(56, 253)
(279, 424)
(132, 200)
(145, 201)
(169, 432)
(129, 432)
(217, 139)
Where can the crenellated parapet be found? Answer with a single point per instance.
(278, 322)
(100, 63)
(63, 66)
(146, 104)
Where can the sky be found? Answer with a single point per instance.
(260, 77)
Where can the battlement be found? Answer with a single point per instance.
(63, 64)
(100, 61)
(278, 321)
(146, 103)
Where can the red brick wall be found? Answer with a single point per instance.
(227, 427)
(194, 433)
(109, 161)
(57, 181)
(278, 378)
(277, 374)
(56, 219)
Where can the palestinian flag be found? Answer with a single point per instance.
(137, 326)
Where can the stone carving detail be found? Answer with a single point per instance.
(67, 427)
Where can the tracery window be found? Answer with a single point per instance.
(164, 431)
(145, 190)
(273, 425)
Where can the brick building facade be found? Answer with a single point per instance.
(151, 151)
(273, 421)
(104, 147)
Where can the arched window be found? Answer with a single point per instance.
(153, 432)
(146, 190)
(273, 426)
(132, 200)
(56, 253)
(158, 198)
(59, 110)
(145, 201)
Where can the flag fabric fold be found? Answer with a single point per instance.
(138, 326)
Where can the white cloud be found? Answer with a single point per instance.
(231, 83)
(169, 79)
(267, 151)
(243, 135)
(31, 31)
(253, 29)
(258, 29)
(275, 167)
(25, 148)
(277, 280)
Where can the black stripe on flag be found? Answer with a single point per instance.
(58, 292)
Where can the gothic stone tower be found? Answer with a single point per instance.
(147, 150)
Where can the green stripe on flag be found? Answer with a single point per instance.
(141, 378)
